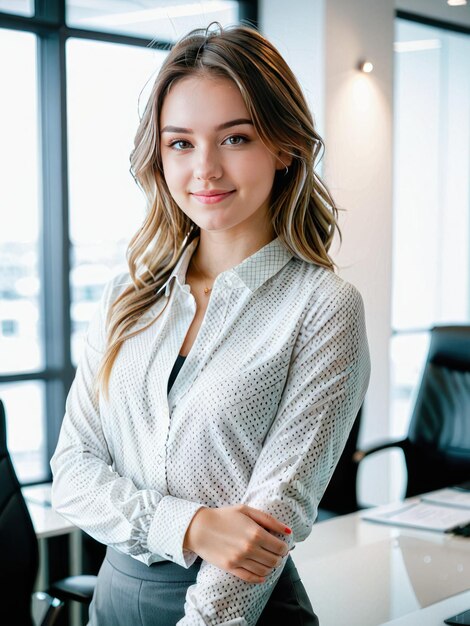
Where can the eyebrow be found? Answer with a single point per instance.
(178, 129)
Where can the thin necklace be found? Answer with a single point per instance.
(207, 290)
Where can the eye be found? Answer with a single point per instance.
(236, 140)
(179, 144)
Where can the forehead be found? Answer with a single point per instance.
(202, 102)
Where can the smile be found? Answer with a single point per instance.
(212, 198)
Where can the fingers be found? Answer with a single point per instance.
(263, 537)
(266, 558)
(255, 567)
(253, 572)
(273, 545)
(266, 520)
(246, 575)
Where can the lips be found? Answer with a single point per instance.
(212, 196)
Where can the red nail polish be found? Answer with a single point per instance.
(287, 530)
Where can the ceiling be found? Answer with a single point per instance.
(437, 9)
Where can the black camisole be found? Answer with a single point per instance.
(174, 372)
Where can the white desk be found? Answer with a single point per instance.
(46, 522)
(360, 573)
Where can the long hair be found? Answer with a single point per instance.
(302, 211)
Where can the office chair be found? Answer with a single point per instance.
(20, 555)
(437, 447)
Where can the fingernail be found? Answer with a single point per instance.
(287, 530)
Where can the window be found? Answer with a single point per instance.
(73, 89)
(431, 259)
(19, 7)
(164, 21)
(21, 349)
(104, 81)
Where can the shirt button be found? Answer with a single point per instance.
(228, 281)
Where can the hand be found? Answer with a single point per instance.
(237, 540)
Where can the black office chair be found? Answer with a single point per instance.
(20, 555)
(437, 447)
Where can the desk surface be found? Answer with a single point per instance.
(362, 573)
(46, 522)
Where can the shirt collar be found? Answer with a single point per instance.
(256, 269)
(253, 271)
(179, 271)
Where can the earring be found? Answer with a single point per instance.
(287, 171)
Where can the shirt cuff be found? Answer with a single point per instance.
(168, 528)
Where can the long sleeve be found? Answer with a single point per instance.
(325, 387)
(89, 493)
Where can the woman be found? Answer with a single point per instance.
(221, 377)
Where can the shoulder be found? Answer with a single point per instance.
(113, 289)
(324, 291)
(332, 307)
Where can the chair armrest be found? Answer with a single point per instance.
(359, 455)
(78, 588)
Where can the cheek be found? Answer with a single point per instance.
(259, 174)
(174, 173)
(256, 167)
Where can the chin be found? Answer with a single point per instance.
(214, 223)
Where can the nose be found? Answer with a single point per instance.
(208, 165)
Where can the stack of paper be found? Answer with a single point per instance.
(440, 510)
(452, 496)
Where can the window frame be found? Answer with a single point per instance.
(49, 25)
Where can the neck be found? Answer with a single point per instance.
(217, 252)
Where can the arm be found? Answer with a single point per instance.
(324, 390)
(88, 493)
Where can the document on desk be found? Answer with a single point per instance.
(452, 496)
(423, 515)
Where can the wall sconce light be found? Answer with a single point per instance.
(365, 66)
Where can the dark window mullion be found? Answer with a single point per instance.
(55, 266)
(50, 10)
(31, 376)
(248, 12)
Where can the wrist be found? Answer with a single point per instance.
(194, 531)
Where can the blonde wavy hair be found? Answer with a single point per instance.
(303, 213)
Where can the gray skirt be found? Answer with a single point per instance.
(130, 592)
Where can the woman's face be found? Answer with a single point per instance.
(216, 167)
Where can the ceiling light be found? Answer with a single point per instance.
(456, 3)
(365, 66)
(416, 45)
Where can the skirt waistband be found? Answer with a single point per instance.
(161, 571)
(165, 571)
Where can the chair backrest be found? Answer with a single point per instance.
(438, 446)
(19, 555)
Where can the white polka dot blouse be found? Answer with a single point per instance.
(258, 414)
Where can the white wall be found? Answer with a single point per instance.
(323, 40)
(358, 169)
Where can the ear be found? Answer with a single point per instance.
(283, 160)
